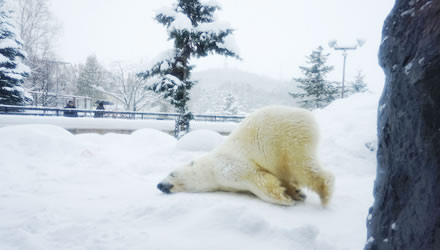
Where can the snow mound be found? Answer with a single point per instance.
(28, 131)
(148, 135)
(89, 191)
(38, 141)
(355, 111)
(200, 140)
(348, 130)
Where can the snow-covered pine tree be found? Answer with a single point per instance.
(90, 77)
(12, 69)
(358, 85)
(316, 92)
(232, 106)
(196, 32)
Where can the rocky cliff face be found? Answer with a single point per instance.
(406, 211)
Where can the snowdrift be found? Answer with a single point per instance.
(60, 191)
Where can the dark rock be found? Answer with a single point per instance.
(406, 211)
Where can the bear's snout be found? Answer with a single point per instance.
(165, 187)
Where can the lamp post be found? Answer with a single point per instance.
(333, 44)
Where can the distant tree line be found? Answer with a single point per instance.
(28, 62)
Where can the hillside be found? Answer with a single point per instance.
(251, 90)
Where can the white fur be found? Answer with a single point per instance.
(271, 153)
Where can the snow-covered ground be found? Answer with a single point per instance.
(60, 191)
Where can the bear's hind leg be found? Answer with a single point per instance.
(293, 191)
(268, 188)
(322, 183)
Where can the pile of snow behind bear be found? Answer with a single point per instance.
(200, 140)
(60, 191)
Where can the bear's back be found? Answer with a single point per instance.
(273, 136)
(278, 123)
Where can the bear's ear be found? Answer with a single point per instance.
(172, 175)
(191, 163)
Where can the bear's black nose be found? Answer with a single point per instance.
(165, 187)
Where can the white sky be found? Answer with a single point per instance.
(273, 36)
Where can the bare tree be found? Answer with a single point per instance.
(130, 90)
(38, 29)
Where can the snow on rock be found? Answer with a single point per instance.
(427, 4)
(89, 191)
(200, 140)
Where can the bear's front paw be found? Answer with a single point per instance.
(282, 198)
(299, 195)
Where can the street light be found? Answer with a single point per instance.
(333, 44)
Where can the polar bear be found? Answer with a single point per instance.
(272, 154)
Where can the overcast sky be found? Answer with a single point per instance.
(273, 36)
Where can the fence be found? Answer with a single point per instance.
(46, 111)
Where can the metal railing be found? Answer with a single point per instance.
(48, 111)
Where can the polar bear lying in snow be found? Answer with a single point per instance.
(272, 154)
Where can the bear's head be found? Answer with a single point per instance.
(196, 176)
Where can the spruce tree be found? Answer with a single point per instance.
(358, 85)
(90, 78)
(232, 106)
(12, 70)
(193, 27)
(316, 91)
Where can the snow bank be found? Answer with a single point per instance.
(348, 131)
(89, 191)
(87, 123)
(200, 140)
(112, 124)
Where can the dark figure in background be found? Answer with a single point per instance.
(99, 114)
(70, 113)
